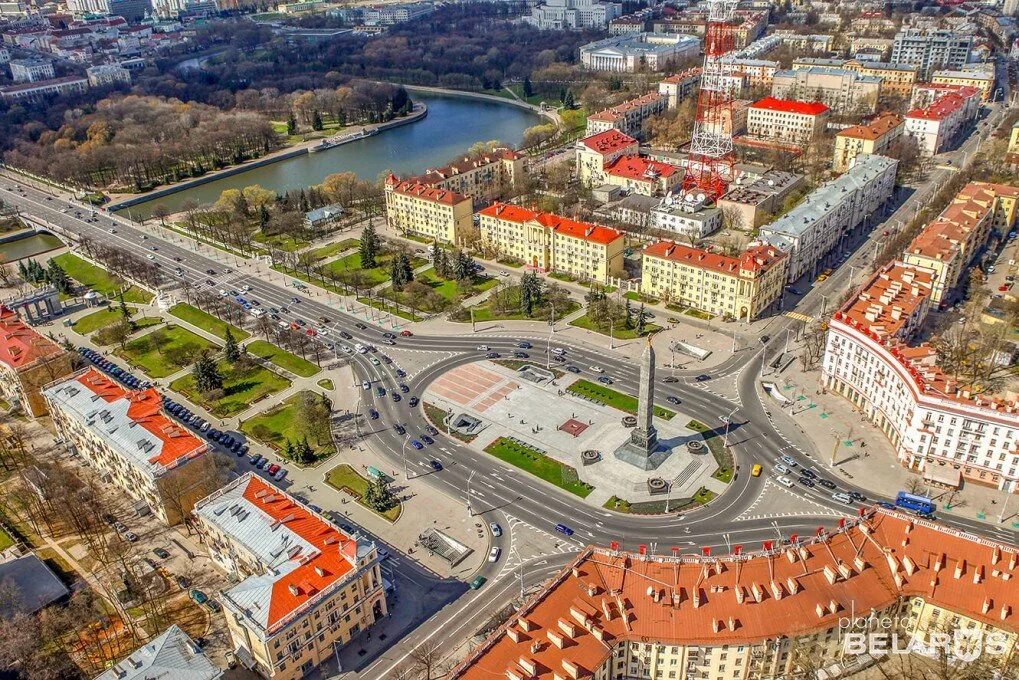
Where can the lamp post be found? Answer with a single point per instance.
(728, 422)
(470, 510)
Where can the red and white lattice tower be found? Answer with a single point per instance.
(710, 166)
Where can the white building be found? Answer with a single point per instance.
(685, 217)
(31, 70)
(634, 52)
(935, 126)
(931, 49)
(107, 74)
(938, 428)
(574, 14)
(813, 228)
(597, 152)
(5, 55)
(33, 92)
(679, 86)
(786, 120)
(842, 90)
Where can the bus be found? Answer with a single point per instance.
(924, 506)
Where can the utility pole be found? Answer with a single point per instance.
(474, 328)
(835, 448)
(612, 330)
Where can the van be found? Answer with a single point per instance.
(563, 529)
(785, 481)
(755, 471)
(257, 312)
(842, 498)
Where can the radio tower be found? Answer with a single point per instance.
(710, 167)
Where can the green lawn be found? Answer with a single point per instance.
(387, 306)
(6, 541)
(164, 351)
(614, 398)
(96, 320)
(446, 290)
(100, 280)
(288, 243)
(243, 386)
(282, 358)
(273, 428)
(334, 248)
(348, 269)
(511, 312)
(723, 458)
(325, 383)
(617, 333)
(698, 314)
(345, 477)
(539, 465)
(207, 322)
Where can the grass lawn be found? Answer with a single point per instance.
(618, 333)
(96, 320)
(288, 243)
(164, 351)
(614, 398)
(637, 297)
(698, 314)
(6, 541)
(445, 288)
(539, 465)
(325, 383)
(334, 248)
(717, 447)
(486, 312)
(381, 303)
(100, 280)
(282, 358)
(207, 322)
(273, 428)
(348, 269)
(436, 416)
(242, 387)
(344, 477)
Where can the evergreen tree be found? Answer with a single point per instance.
(316, 121)
(288, 450)
(378, 496)
(125, 313)
(369, 247)
(263, 216)
(528, 89)
(291, 125)
(568, 101)
(56, 276)
(641, 320)
(305, 454)
(231, 350)
(530, 293)
(464, 266)
(629, 315)
(206, 374)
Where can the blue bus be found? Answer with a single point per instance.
(924, 506)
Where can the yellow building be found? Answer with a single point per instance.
(735, 287)
(597, 152)
(895, 78)
(305, 587)
(981, 80)
(28, 361)
(437, 214)
(880, 136)
(551, 243)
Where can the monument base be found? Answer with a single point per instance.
(643, 458)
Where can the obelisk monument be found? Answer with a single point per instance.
(643, 449)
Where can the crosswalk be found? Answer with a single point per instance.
(799, 317)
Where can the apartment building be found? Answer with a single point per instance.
(679, 86)
(787, 121)
(560, 15)
(436, 214)
(936, 126)
(641, 175)
(635, 52)
(28, 362)
(879, 46)
(304, 586)
(774, 612)
(31, 70)
(171, 655)
(944, 431)
(895, 78)
(551, 243)
(928, 50)
(44, 89)
(628, 117)
(813, 228)
(740, 288)
(103, 75)
(483, 177)
(5, 55)
(841, 90)
(817, 42)
(948, 245)
(759, 73)
(596, 152)
(132, 443)
(978, 79)
(757, 198)
(685, 217)
(880, 136)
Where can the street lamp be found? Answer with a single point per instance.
(470, 510)
(728, 423)
(406, 473)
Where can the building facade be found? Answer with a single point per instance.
(880, 136)
(551, 243)
(31, 70)
(304, 586)
(787, 121)
(28, 362)
(44, 89)
(483, 178)
(436, 214)
(132, 443)
(637, 52)
(628, 117)
(936, 126)
(680, 86)
(641, 175)
(103, 75)
(981, 80)
(685, 218)
(559, 15)
(928, 50)
(895, 78)
(757, 197)
(598, 151)
(841, 90)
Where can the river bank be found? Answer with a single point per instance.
(551, 114)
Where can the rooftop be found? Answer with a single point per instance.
(945, 105)
(35, 586)
(42, 84)
(890, 299)
(132, 422)
(607, 596)
(643, 43)
(172, 655)
(466, 164)
(768, 184)
(561, 225)
(790, 106)
(608, 142)
(424, 191)
(828, 71)
(683, 76)
(950, 232)
(20, 345)
(753, 258)
(640, 168)
(875, 129)
(618, 111)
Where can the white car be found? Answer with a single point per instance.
(781, 469)
(223, 293)
(842, 498)
(347, 349)
(493, 555)
(496, 529)
(596, 369)
(482, 348)
(365, 385)
(247, 289)
(785, 481)
(558, 351)
(151, 256)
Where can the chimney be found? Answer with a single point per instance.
(528, 665)
(733, 622)
(740, 595)
(568, 628)
(960, 568)
(830, 574)
(776, 590)
(978, 574)
(1005, 611)
(294, 590)
(909, 565)
(939, 563)
(556, 639)
(793, 585)
(859, 563)
(514, 634)
(757, 592)
(571, 668)
(525, 624)
(988, 603)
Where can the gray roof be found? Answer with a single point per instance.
(638, 202)
(171, 656)
(35, 584)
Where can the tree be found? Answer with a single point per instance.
(206, 374)
(528, 88)
(369, 248)
(464, 266)
(400, 271)
(312, 417)
(378, 496)
(291, 124)
(288, 450)
(231, 350)
(641, 320)
(125, 313)
(568, 101)
(316, 121)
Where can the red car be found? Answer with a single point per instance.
(273, 469)
(294, 326)
(310, 332)
(406, 334)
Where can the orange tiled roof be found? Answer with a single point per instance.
(874, 129)
(618, 111)
(465, 164)
(678, 78)
(640, 168)
(608, 142)
(561, 225)
(952, 229)
(790, 106)
(419, 190)
(20, 344)
(890, 299)
(755, 257)
(607, 596)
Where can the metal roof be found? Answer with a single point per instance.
(171, 656)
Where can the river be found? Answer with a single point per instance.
(29, 246)
(451, 126)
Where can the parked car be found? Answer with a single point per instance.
(161, 553)
(198, 596)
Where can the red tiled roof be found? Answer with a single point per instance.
(618, 111)
(465, 164)
(562, 225)
(890, 299)
(874, 129)
(946, 104)
(411, 188)
(755, 257)
(605, 597)
(608, 142)
(640, 168)
(678, 78)
(20, 344)
(790, 106)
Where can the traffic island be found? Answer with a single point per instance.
(374, 495)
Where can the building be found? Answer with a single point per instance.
(596, 152)
(936, 126)
(948, 245)
(628, 117)
(740, 288)
(841, 90)
(981, 80)
(436, 214)
(483, 177)
(897, 79)
(397, 13)
(323, 217)
(5, 55)
(171, 655)
(881, 46)
(685, 217)
(756, 200)
(636, 52)
(880, 136)
(132, 443)
(680, 86)
(33, 585)
(641, 175)
(44, 89)
(107, 74)
(942, 430)
(768, 613)
(785, 120)
(633, 210)
(28, 361)
(305, 587)
(31, 70)
(759, 73)
(551, 243)
(816, 226)
(929, 50)
(559, 15)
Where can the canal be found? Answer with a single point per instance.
(29, 246)
(451, 126)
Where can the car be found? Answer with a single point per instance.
(496, 529)
(431, 430)
(558, 351)
(403, 388)
(399, 429)
(373, 414)
(755, 471)
(806, 481)
(784, 481)
(781, 469)
(361, 326)
(406, 334)
(436, 465)
(182, 582)
(492, 355)
(400, 373)
(519, 355)
(494, 553)
(388, 335)
(416, 444)
(523, 344)
(596, 369)
(380, 390)
(254, 458)
(130, 536)
(857, 496)
(828, 484)
(295, 300)
(886, 505)
(789, 461)
(572, 369)
(262, 464)
(280, 475)
(346, 336)
(414, 401)
(670, 379)
(563, 529)
(604, 380)
(119, 527)
(482, 348)
(384, 554)
(426, 439)
(702, 377)
(672, 400)
(365, 385)
(479, 581)
(842, 498)
(151, 256)
(323, 318)
(177, 258)
(374, 362)
(161, 553)
(112, 230)
(396, 396)
(198, 596)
